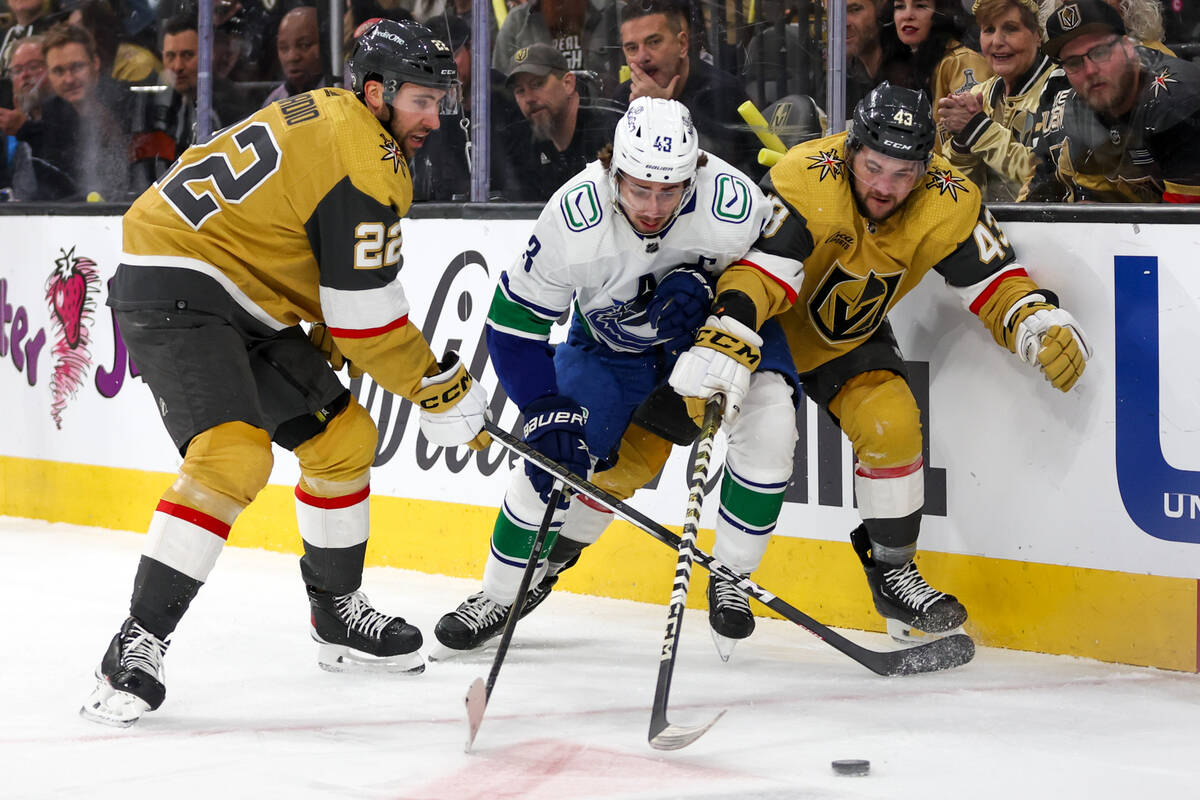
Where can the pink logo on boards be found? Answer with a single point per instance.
(71, 294)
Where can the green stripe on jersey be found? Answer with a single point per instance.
(511, 315)
(754, 508)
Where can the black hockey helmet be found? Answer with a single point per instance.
(395, 53)
(894, 121)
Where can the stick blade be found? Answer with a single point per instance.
(939, 654)
(476, 703)
(667, 736)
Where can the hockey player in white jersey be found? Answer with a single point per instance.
(632, 245)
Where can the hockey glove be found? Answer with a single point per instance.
(1050, 338)
(554, 427)
(721, 360)
(681, 302)
(453, 406)
(322, 339)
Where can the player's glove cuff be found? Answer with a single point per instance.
(453, 406)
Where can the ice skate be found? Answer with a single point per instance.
(476, 620)
(911, 607)
(354, 637)
(729, 615)
(130, 678)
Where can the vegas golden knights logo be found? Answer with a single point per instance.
(846, 307)
(780, 118)
(1068, 16)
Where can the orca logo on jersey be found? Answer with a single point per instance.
(846, 307)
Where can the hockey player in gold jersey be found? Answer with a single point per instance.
(291, 215)
(860, 219)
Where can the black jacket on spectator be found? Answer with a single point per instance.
(713, 98)
(93, 152)
(540, 169)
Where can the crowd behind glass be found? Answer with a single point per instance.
(98, 97)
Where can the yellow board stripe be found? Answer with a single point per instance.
(1111, 616)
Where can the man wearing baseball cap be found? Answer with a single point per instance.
(560, 132)
(1124, 132)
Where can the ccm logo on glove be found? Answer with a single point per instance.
(555, 418)
(449, 395)
(736, 348)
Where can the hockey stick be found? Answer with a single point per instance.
(939, 654)
(478, 695)
(665, 735)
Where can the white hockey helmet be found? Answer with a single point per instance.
(656, 141)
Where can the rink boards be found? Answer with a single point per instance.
(1066, 523)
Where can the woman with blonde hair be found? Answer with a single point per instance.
(992, 126)
(1143, 20)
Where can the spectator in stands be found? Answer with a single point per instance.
(1143, 22)
(864, 54)
(121, 60)
(442, 168)
(584, 31)
(30, 17)
(559, 134)
(84, 128)
(1128, 131)
(923, 49)
(994, 123)
(656, 43)
(167, 122)
(298, 45)
(29, 85)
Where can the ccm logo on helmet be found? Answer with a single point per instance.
(450, 395)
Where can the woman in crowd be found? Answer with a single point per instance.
(992, 125)
(923, 49)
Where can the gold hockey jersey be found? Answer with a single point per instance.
(832, 276)
(960, 70)
(294, 214)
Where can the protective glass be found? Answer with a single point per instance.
(423, 99)
(1100, 54)
(659, 200)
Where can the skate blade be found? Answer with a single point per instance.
(440, 652)
(338, 658)
(108, 706)
(724, 645)
(907, 635)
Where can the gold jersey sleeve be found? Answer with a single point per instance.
(295, 211)
(832, 276)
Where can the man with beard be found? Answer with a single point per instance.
(1125, 131)
(292, 215)
(864, 56)
(560, 135)
(860, 219)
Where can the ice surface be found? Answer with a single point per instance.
(249, 714)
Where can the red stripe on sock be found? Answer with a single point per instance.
(197, 518)
(889, 472)
(345, 501)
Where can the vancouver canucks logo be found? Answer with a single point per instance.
(1160, 81)
(946, 181)
(391, 152)
(846, 307)
(828, 162)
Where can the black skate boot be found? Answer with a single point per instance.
(131, 680)
(476, 620)
(353, 636)
(903, 597)
(538, 594)
(728, 615)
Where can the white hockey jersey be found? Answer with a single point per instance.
(584, 251)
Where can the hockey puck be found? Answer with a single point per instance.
(852, 766)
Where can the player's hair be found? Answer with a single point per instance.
(64, 34)
(673, 10)
(987, 11)
(604, 156)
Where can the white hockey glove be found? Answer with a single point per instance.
(1052, 340)
(721, 360)
(453, 406)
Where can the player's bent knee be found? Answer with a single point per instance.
(232, 459)
(342, 454)
(880, 417)
(762, 440)
(641, 457)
